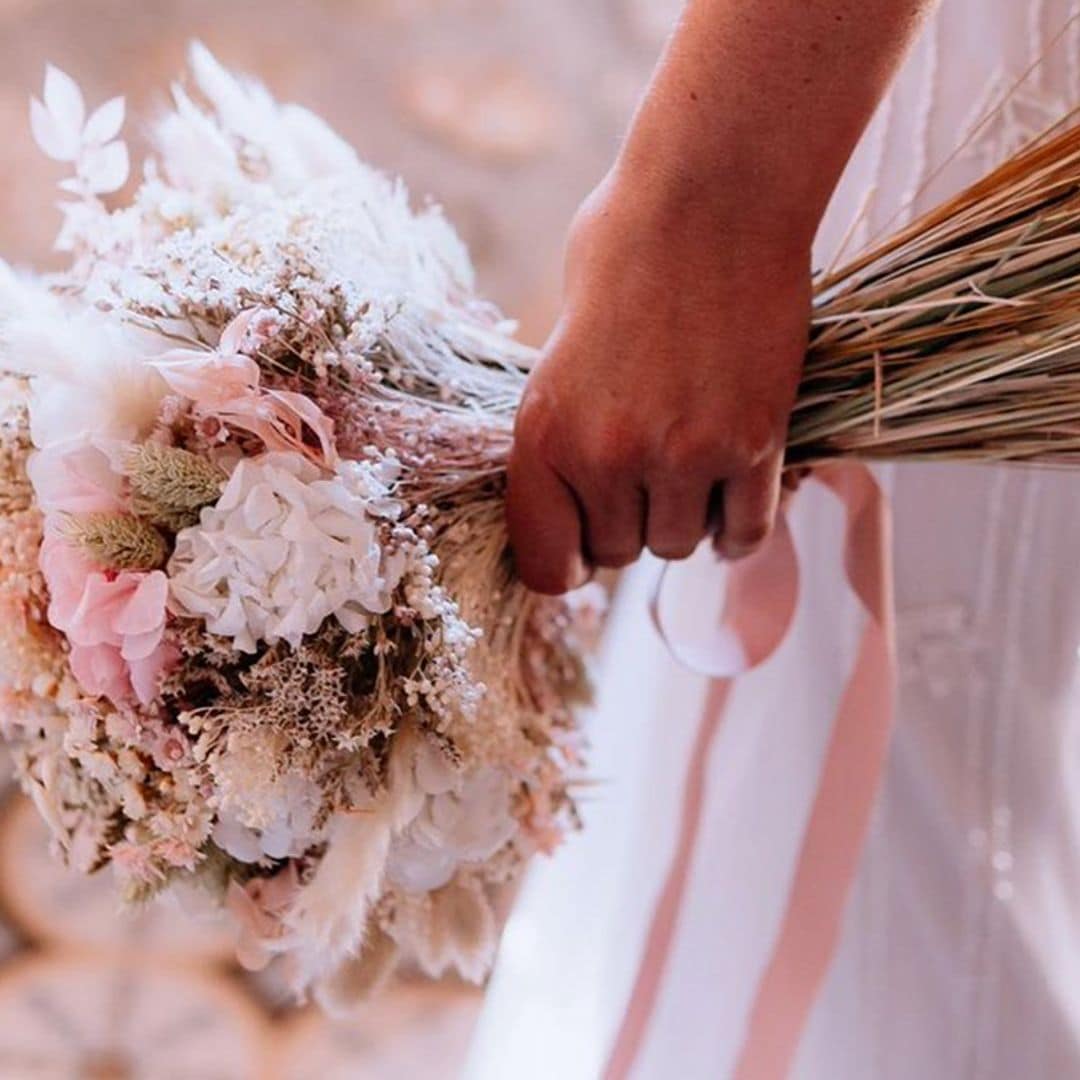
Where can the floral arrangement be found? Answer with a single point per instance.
(258, 627)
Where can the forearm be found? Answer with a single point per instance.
(757, 105)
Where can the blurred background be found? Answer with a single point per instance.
(506, 112)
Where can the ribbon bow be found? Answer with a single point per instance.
(761, 599)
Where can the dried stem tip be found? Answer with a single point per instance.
(170, 486)
(118, 541)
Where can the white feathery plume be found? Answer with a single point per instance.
(327, 923)
(88, 374)
(462, 934)
(194, 152)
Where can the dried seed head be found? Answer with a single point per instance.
(118, 541)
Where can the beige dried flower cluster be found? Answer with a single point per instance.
(169, 485)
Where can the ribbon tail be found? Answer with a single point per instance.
(651, 971)
(760, 603)
(840, 816)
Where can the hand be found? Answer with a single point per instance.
(659, 409)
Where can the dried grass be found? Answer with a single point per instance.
(959, 337)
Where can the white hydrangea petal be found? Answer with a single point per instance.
(417, 868)
(237, 840)
(435, 773)
(299, 548)
(260, 507)
(354, 619)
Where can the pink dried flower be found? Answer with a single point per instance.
(225, 383)
(75, 478)
(136, 862)
(213, 378)
(259, 908)
(115, 623)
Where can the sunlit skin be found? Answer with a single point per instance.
(658, 411)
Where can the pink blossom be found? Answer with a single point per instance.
(225, 383)
(259, 908)
(135, 861)
(114, 622)
(175, 851)
(213, 378)
(75, 478)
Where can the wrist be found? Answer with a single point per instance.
(732, 189)
(672, 195)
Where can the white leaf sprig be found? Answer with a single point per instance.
(63, 132)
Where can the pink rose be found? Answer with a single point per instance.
(114, 622)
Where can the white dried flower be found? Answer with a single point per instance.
(64, 133)
(464, 818)
(285, 548)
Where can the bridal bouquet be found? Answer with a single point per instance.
(258, 626)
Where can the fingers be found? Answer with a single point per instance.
(750, 503)
(545, 526)
(678, 516)
(614, 524)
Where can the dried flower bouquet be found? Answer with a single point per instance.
(259, 630)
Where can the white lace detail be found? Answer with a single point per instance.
(938, 646)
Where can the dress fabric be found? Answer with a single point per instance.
(960, 951)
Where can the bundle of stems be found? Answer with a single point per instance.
(959, 337)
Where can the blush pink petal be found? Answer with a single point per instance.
(308, 413)
(101, 604)
(146, 673)
(209, 379)
(115, 624)
(232, 337)
(75, 479)
(144, 608)
(66, 570)
(101, 671)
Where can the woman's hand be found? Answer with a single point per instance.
(659, 410)
(660, 406)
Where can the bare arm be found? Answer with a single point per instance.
(660, 406)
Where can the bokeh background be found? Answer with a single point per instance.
(506, 112)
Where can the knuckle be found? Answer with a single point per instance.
(747, 443)
(685, 446)
(757, 436)
(615, 450)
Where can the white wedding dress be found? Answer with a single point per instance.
(960, 951)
